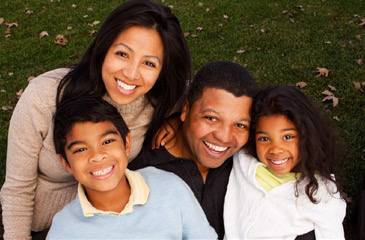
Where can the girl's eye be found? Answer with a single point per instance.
(108, 141)
(265, 139)
(79, 150)
(150, 64)
(286, 137)
(122, 54)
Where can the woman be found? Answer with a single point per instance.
(139, 62)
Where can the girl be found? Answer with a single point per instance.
(291, 190)
(139, 62)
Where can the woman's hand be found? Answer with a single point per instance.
(167, 132)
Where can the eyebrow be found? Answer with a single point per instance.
(283, 130)
(113, 132)
(214, 111)
(130, 49)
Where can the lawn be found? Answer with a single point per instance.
(279, 41)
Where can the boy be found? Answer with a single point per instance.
(93, 143)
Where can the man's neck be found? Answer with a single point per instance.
(178, 147)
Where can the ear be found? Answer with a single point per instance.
(185, 110)
(65, 164)
(128, 142)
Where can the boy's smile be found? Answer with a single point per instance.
(97, 156)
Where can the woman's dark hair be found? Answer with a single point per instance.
(85, 78)
(317, 141)
(84, 109)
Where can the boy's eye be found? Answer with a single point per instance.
(108, 141)
(79, 150)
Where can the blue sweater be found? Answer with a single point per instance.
(171, 212)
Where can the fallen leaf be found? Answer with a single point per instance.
(262, 30)
(200, 4)
(90, 9)
(10, 25)
(358, 86)
(359, 61)
(7, 108)
(43, 34)
(29, 12)
(199, 28)
(186, 34)
(328, 42)
(358, 37)
(96, 22)
(69, 28)
(74, 55)
(10, 73)
(3, 91)
(240, 51)
(225, 16)
(284, 12)
(221, 37)
(322, 72)
(30, 78)
(332, 88)
(207, 10)
(1, 20)
(91, 32)
(85, 16)
(328, 93)
(220, 25)
(194, 35)
(292, 20)
(74, 5)
(301, 84)
(19, 93)
(171, 6)
(336, 118)
(61, 40)
(330, 96)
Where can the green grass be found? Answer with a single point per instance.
(282, 43)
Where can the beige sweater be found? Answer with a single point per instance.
(36, 185)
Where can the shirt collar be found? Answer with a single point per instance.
(139, 195)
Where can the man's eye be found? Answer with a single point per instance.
(213, 119)
(240, 125)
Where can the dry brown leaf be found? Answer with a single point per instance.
(221, 37)
(74, 5)
(330, 96)
(1, 20)
(262, 30)
(359, 61)
(29, 12)
(284, 12)
(301, 84)
(3, 90)
(96, 22)
(90, 9)
(358, 37)
(292, 20)
(357, 86)
(10, 73)
(207, 10)
(194, 35)
(74, 55)
(10, 25)
(30, 78)
(328, 93)
(43, 34)
(19, 93)
(332, 88)
(186, 34)
(69, 28)
(199, 28)
(200, 4)
(61, 40)
(7, 108)
(91, 32)
(225, 16)
(322, 72)
(240, 51)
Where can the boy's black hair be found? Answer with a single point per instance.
(317, 140)
(85, 109)
(225, 75)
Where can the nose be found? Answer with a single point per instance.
(276, 149)
(131, 70)
(97, 155)
(224, 134)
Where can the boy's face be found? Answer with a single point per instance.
(96, 155)
(216, 126)
(277, 142)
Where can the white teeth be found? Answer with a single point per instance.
(102, 172)
(125, 86)
(216, 148)
(279, 162)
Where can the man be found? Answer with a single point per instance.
(216, 123)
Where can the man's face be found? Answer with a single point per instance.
(216, 126)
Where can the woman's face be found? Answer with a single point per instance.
(132, 64)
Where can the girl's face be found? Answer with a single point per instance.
(277, 140)
(132, 64)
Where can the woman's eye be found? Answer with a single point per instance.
(122, 54)
(150, 64)
(79, 150)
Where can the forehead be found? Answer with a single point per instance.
(275, 122)
(223, 102)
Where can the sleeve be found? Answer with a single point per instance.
(328, 214)
(195, 223)
(28, 126)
